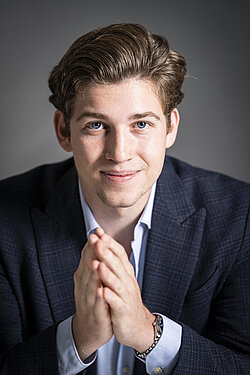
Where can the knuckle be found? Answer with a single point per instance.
(119, 288)
(75, 276)
(120, 307)
(109, 279)
(131, 269)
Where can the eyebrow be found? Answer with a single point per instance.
(91, 114)
(101, 116)
(137, 116)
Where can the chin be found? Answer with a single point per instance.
(120, 202)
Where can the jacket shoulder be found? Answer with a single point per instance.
(33, 187)
(205, 187)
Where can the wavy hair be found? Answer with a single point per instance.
(112, 54)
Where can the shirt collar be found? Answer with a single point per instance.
(146, 216)
(91, 224)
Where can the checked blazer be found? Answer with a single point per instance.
(197, 267)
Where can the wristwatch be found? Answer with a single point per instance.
(158, 328)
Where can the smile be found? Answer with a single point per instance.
(119, 176)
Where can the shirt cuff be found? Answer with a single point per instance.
(69, 362)
(164, 356)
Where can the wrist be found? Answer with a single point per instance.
(82, 342)
(157, 329)
(143, 333)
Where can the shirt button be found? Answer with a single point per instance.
(157, 370)
(125, 369)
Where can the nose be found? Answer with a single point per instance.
(119, 145)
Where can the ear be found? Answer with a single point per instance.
(62, 132)
(173, 129)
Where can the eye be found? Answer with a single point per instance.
(141, 125)
(96, 125)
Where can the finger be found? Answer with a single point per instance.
(101, 308)
(99, 232)
(105, 252)
(92, 239)
(110, 280)
(105, 255)
(88, 254)
(112, 262)
(115, 247)
(86, 288)
(115, 303)
(94, 282)
(120, 252)
(84, 276)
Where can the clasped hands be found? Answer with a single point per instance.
(108, 299)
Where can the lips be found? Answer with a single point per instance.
(119, 176)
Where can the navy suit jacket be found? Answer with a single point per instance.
(197, 268)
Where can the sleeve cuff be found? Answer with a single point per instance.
(69, 362)
(165, 354)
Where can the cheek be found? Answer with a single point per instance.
(154, 150)
(87, 152)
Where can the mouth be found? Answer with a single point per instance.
(119, 176)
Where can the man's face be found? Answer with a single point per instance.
(118, 135)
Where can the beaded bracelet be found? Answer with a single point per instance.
(159, 322)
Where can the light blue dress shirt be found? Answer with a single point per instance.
(114, 358)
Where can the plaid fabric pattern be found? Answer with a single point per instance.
(197, 268)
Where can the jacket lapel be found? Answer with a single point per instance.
(172, 249)
(173, 246)
(60, 236)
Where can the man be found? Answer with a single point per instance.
(123, 260)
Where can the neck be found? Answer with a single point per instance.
(118, 222)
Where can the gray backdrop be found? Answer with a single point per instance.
(212, 35)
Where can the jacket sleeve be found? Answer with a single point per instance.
(19, 355)
(225, 347)
(36, 355)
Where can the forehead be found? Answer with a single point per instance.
(129, 93)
